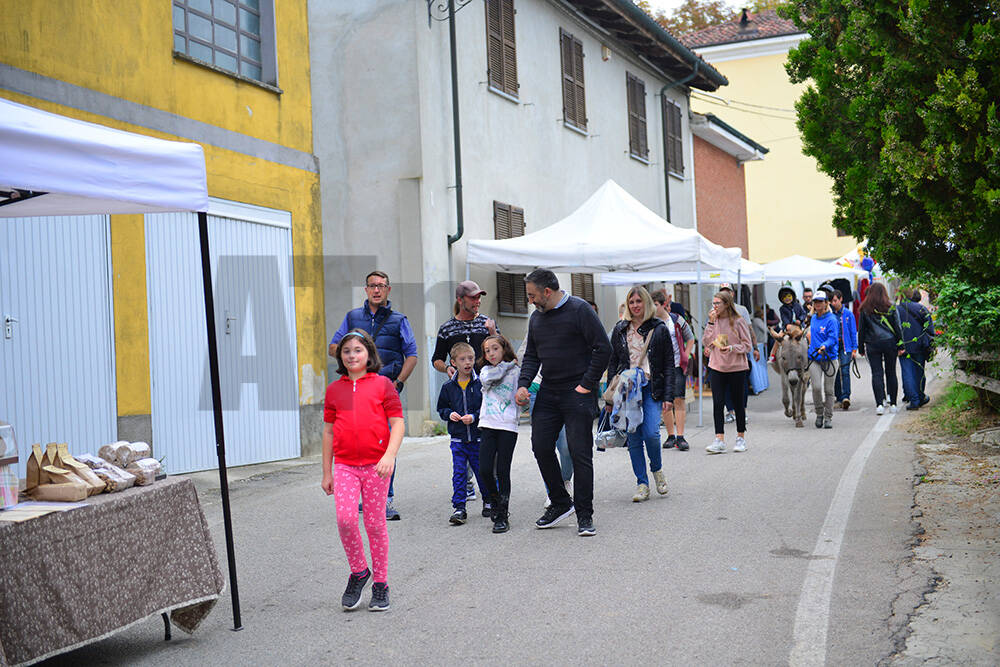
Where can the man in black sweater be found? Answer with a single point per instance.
(566, 338)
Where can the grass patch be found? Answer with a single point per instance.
(957, 413)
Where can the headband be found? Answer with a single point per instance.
(354, 333)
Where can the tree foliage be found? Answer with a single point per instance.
(901, 111)
(697, 14)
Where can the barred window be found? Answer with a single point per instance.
(233, 35)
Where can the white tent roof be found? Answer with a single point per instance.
(92, 169)
(611, 231)
(750, 272)
(797, 267)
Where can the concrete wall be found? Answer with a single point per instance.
(789, 203)
(722, 196)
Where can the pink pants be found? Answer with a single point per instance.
(348, 482)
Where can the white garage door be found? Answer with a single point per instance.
(255, 322)
(57, 364)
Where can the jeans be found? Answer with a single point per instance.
(883, 363)
(565, 462)
(723, 383)
(822, 374)
(842, 383)
(647, 434)
(911, 368)
(555, 409)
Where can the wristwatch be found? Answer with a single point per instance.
(399, 386)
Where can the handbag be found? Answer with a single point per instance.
(613, 383)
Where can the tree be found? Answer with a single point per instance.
(695, 15)
(901, 111)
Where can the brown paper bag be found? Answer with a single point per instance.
(34, 467)
(65, 460)
(62, 485)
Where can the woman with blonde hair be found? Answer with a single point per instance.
(642, 341)
(727, 342)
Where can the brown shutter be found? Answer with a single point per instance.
(583, 285)
(509, 47)
(508, 222)
(674, 145)
(636, 97)
(574, 98)
(494, 44)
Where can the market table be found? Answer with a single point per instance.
(71, 578)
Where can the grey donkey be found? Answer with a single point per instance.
(790, 360)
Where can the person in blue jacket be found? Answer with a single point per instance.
(394, 341)
(791, 310)
(458, 404)
(824, 340)
(848, 348)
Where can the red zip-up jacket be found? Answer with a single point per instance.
(359, 411)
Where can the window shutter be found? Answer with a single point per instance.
(581, 106)
(509, 47)
(583, 285)
(494, 44)
(574, 98)
(636, 97)
(674, 144)
(508, 223)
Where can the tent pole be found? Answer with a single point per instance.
(220, 438)
(701, 357)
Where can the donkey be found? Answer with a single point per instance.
(790, 360)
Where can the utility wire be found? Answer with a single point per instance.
(755, 113)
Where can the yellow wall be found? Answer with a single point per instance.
(789, 203)
(125, 49)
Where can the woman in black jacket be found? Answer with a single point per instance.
(627, 340)
(880, 337)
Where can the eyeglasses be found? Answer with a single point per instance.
(380, 286)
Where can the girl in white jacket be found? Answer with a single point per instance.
(498, 419)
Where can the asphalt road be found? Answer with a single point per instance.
(785, 554)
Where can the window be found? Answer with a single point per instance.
(501, 49)
(234, 35)
(574, 103)
(508, 222)
(636, 93)
(673, 146)
(583, 285)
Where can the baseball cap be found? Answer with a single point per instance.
(727, 286)
(468, 288)
(820, 295)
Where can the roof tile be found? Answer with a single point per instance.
(760, 26)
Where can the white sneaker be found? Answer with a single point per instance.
(730, 417)
(741, 445)
(880, 409)
(548, 503)
(893, 409)
(717, 447)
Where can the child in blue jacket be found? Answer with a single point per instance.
(458, 404)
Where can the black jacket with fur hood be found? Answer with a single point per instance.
(660, 355)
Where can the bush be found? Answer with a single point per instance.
(968, 315)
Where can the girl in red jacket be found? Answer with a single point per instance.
(362, 432)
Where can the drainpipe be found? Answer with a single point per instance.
(452, 238)
(666, 152)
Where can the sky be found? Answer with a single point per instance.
(669, 5)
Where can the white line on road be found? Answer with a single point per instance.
(813, 614)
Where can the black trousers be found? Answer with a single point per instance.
(883, 365)
(733, 384)
(496, 451)
(554, 409)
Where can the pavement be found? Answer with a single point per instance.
(814, 547)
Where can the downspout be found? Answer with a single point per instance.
(666, 151)
(452, 238)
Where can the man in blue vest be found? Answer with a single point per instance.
(394, 340)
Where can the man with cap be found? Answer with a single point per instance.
(824, 343)
(466, 326)
(394, 340)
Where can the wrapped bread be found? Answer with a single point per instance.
(115, 478)
(110, 452)
(65, 460)
(128, 452)
(145, 470)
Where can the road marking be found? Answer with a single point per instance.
(813, 614)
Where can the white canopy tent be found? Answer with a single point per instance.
(748, 272)
(797, 267)
(51, 165)
(611, 231)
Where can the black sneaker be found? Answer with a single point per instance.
(682, 444)
(500, 524)
(827, 422)
(670, 442)
(585, 526)
(819, 422)
(458, 517)
(487, 510)
(553, 515)
(355, 586)
(380, 597)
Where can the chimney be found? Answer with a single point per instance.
(745, 27)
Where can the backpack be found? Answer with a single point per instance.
(679, 336)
